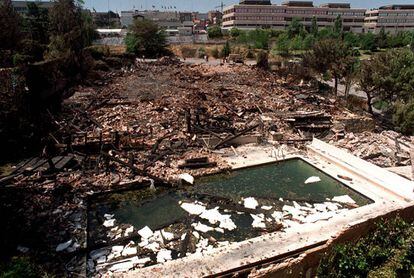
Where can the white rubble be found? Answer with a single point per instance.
(145, 232)
(194, 209)
(163, 256)
(202, 228)
(250, 203)
(343, 199)
(267, 207)
(108, 216)
(129, 231)
(63, 246)
(312, 180)
(258, 221)
(109, 223)
(167, 235)
(186, 177)
(213, 216)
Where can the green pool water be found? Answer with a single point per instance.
(269, 184)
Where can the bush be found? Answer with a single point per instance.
(249, 53)
(201, 52)
(188, 52)
(403, 117)
(368, 253)
(262, 60)
(146, 39)
(20, 267)
(226, 50)
(99, 51)
(234, 32)
(215, 53)
(215, 32)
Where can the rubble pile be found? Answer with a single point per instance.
(385, 149)
(162, 123)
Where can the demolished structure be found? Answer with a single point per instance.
(159, 127)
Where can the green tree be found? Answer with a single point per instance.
(338, 28)
(235, 33)
(283, 44)
(403, 117)
(259, 38)
(382, 38)
(295, 28)
(145, 38)
(309, 42)
(314, 27)
(332, 57)
(368, 41)
(36, 23)
(215, 32)
(66, 30)
(226, 50)
(10, 21)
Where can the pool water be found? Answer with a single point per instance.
(275, 185)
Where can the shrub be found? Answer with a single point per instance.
(99, 51)
(262, 60)
(201, 52)
(226, 50)
(215, 53)
(188, 52)
(368, 253)
(215, 32)
(234, 32)
(145, 38)
(403, 117)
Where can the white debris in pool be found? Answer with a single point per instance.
(186, 177)
(193, 209)
(129, 231)
(267, 207)
(202, 228)
(163, 256)
(214, 216)
(258, 221)
(226, 223)
(344, 199)
(109, 216)
(277, 215)
(313, 180)
(109, 223)
(250, 203)
(145, 232)
(167, 235)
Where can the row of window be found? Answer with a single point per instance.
(381, 20)
(346, 28)
(273, 18)
(295, 11)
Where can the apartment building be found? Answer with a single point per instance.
(22, 6)
(393, 18)
(252, 14)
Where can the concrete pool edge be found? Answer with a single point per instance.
(265, 248)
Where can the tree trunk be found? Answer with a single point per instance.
(336, 86)
(369, 103)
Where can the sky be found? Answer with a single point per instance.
(206, 5)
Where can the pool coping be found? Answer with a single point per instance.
(268, 247)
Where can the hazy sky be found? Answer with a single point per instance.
(206, 5)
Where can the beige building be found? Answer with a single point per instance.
(262, 14)
(393, 18)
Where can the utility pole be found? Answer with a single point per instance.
(109, 17)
